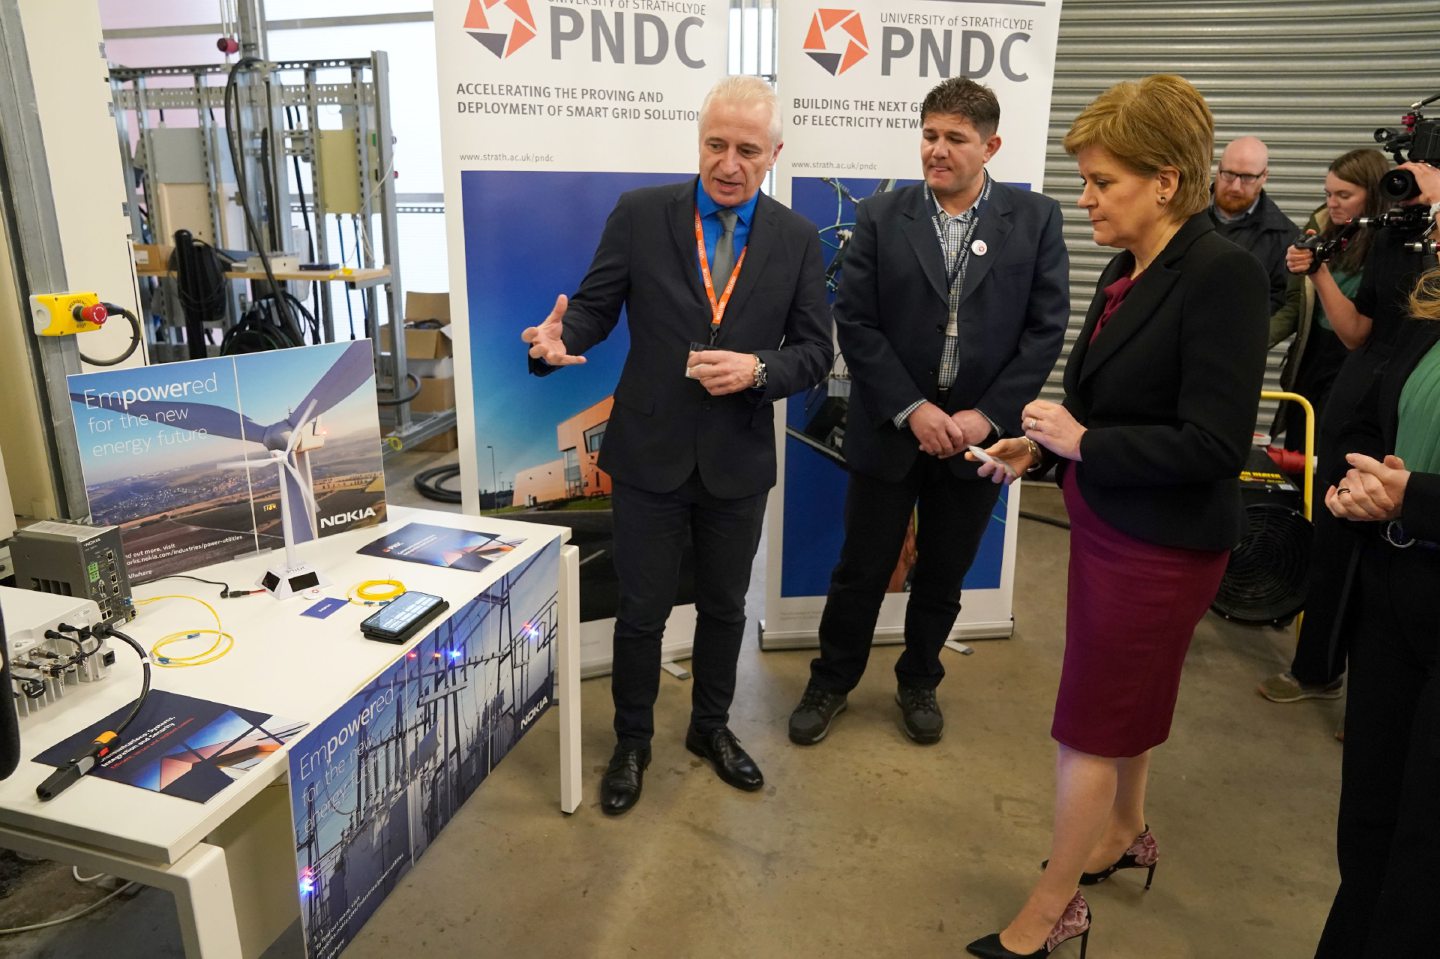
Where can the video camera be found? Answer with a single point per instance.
(1422, 138)
(1412, 221)
(1325, 247)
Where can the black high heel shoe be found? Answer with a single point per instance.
(1142, 854)
(1075, 922)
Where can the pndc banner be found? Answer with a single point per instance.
(854, 78)
(550, 109)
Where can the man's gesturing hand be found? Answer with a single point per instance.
(545, 342)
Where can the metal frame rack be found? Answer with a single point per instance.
(266, 93)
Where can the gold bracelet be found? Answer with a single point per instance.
(1036, 454)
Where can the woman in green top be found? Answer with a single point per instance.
(1321, 344)
(1389, 833)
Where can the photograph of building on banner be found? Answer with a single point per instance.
(547, 433)
(815, 429)
(372, 786)
(189, 458)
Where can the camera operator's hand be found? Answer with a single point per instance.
(1427, 178)
(1298, 260)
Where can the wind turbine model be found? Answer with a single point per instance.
(294, 577)
(289, 441)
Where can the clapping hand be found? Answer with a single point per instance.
(1370, 490)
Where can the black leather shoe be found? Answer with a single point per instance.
(920, 713)
(620, 786)
(732, 764)
(811, 719)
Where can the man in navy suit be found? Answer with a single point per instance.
(951, 310)
(690, 445)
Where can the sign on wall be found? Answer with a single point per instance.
(550, 109)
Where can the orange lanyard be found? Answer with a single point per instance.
(717, 307)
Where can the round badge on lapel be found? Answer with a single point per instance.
(978, 248)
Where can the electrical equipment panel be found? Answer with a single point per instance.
(73, 560)
(45, 669)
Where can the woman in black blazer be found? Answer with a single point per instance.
(1161, 394)
(1388, 838)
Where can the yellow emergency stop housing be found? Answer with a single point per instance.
(58, 314)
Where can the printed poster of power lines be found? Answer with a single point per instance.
(372, 786)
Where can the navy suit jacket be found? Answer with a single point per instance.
(664, 426)
(1169, 389)
(893, 303)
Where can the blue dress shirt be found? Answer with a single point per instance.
(710, 223)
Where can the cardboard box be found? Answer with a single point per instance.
(442, 368)
(437, 394)
(444, 443)
(424, 345)
(420, 344)
(153, 256)
(427, 306)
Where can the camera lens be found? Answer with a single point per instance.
(1399, 185)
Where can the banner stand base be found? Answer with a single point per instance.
(809, 639)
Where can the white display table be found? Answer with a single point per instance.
(230, 862)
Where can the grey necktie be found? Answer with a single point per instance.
(724, 251)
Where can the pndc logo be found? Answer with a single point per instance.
(836, 40)
(502, 33)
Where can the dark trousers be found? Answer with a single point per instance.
(1388, 840)
(1320, 647)
(951, 518)
(651, 530)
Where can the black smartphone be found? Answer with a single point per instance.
(402, 617)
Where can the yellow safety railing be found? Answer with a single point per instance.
(1309, 439)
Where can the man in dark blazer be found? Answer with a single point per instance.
(690, 445)
(951, 310)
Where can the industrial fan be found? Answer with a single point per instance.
(1266, 579)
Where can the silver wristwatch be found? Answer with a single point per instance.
(760, 375)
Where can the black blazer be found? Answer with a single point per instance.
(893, 303)
(663, 425)
(1371, 427)
(1169, 390)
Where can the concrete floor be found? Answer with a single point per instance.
(865, 845)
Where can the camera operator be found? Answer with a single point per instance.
(1427, 181)
(1367, 325)
(1352, 190)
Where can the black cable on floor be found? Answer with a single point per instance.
(1047, 520)
(428, 483)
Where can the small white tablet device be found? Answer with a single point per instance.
(985, 457)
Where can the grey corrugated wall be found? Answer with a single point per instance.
(1312, 79)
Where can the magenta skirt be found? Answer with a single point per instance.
(1130, 612)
